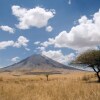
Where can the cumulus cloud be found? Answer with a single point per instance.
(5, 44)
(49, 28)
(15, 59)
(7, 29)
(49, 42)
(37, 42)
(85, 35)
(27, 49)
(41, 48)
(21, 42)
(69, 2)
(35, 17)
(58, 56)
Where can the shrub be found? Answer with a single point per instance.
(1, 79)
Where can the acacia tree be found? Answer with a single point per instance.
(92, 59)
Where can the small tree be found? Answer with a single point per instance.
(47, 76)
(92, 59)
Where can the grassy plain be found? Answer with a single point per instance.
(73, 86)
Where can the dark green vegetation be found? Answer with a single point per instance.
(92, 59)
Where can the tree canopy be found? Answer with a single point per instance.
(92, 59)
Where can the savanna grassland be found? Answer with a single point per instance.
(74, 86)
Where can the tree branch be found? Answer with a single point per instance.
(94, 69)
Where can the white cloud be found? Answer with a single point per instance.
(49, 42)
(37, 42)
(83, 36)
(7, 29)
(41, 48)
(69, 2)
(1, 66)
(15, 59)
(58, 56)
(22, 41)
(70, 57)
(35, 17)
(5, 44)
(49, 28)
(27, 49)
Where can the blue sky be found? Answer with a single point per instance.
(59, 29)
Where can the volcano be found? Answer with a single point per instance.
(37, 63)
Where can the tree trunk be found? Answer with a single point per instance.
(47, 77)
(97, 73)
(98, 76)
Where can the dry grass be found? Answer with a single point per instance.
(59, 87)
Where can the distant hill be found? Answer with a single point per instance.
(37, 63)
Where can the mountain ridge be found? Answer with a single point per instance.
(37, 62)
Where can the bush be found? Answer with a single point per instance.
(1, 79)
(85, 78)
